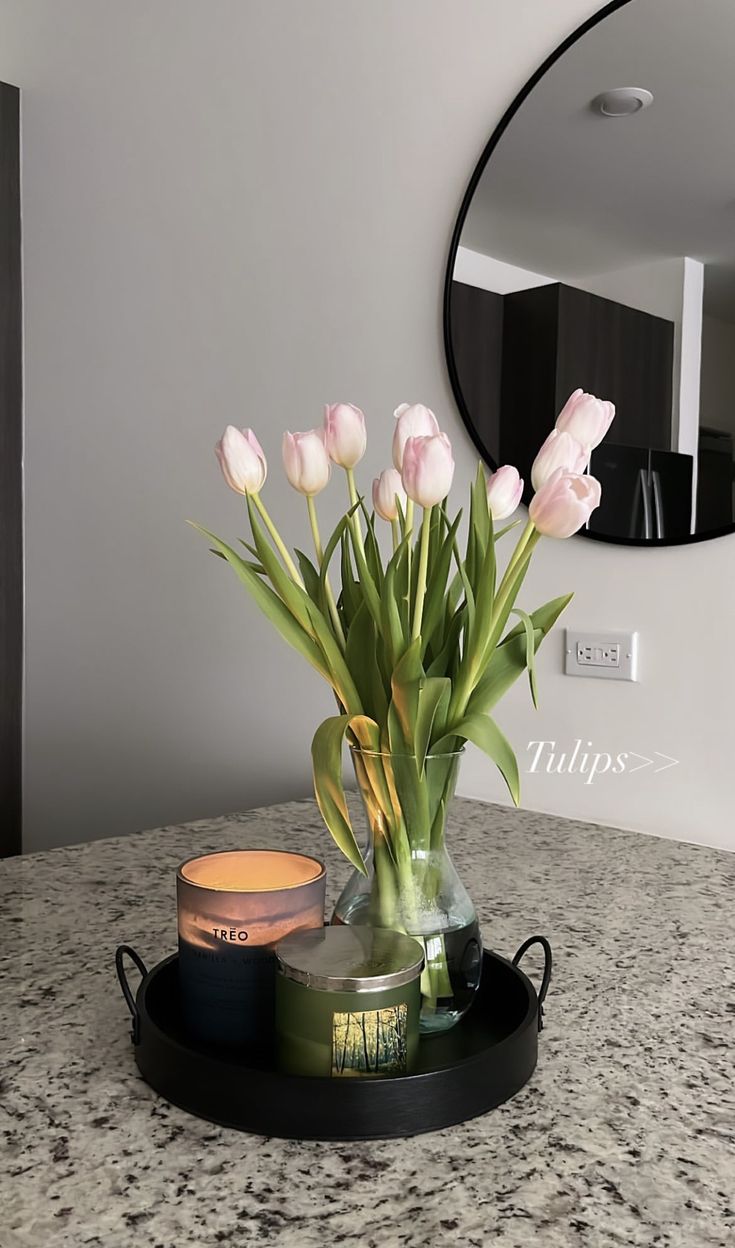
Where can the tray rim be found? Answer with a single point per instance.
(225, 1058)
(263, 1101)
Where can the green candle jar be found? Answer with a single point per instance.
(347, 1002)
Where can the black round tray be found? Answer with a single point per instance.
(480, 1063)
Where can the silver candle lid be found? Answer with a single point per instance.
(350, 959)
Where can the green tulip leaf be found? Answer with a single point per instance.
(437, 582)
(394, 622)
(406, 682)
(506, 529)
(483, 732)
(270, 604)
(432, 705)
(372, 549)
(508, 660)
(362, 662)
(506, 665)
(479, 531)
(334, 540)
(288, 591)
(342, 677)
(351, 597)
(527, 623)
(448, 657)
(544, 617)
(310, 577)
(366, 582)
(326, 754)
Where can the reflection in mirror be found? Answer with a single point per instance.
(598, 250)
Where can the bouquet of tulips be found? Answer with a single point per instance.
(413, 634)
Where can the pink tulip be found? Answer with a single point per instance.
(387, 488)
(413, 420)
(306, 461)
(504, 491)
(560, 450)
(242, 460)
(346, 435)
(564, 503)
(586, 418)
(428, 468)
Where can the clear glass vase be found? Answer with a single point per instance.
(411, 883)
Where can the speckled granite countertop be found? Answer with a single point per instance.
(624, 1136)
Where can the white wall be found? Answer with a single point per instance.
(234, 211)
(488, 273)
(654, 287)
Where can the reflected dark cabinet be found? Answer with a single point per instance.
(715, 481)
(519, 356)
(556, 338)
(476, 317)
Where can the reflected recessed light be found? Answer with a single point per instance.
(622, 101)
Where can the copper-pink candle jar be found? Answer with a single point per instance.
(232, 908)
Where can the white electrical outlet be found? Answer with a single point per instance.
(607, 656)
(598, 654)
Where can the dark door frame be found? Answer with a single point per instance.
(11, 477)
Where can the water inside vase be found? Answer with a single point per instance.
(456, 948)
(462, 947)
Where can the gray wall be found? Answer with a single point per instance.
(235, 211)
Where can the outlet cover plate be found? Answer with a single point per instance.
(601, 655)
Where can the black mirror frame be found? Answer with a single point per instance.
(484, 160)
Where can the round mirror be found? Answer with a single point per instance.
(595, 248)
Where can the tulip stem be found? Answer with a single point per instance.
(504, 599)
(409, 532)
(423, 567)
(396, 529)
(517, 555)
(311, 507)
(354, 518)
(279, 542)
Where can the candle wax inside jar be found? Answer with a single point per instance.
(254, 871)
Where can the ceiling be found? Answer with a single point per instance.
(570, 193)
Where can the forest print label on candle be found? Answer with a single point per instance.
(372, 1042)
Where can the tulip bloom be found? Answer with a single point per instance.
(413, 420)
(428, 469)
(242, 460)
(586, 418)
(346, 435)
(306, 461)
(564, 503)
(504, 491)
(388, 491)
(560, 450)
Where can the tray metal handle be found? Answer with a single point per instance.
(546, 977)
(120, 953)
